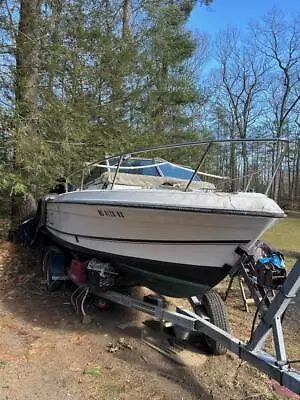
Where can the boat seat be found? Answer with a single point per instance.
(150, 182)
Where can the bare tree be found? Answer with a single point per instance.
(241, 75)
(279, 41)
(295, 186)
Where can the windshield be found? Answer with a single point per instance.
(154, 167)
(149, 167)
(174, 171)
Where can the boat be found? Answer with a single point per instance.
(160, 224)
(149, 222)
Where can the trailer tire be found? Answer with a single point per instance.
(215, 309)
(51, 285)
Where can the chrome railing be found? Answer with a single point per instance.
(282, 143)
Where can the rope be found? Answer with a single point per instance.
(130, 167)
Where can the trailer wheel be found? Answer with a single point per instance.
(215, 309)
(47, 267)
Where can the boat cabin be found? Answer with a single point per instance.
(142, 173)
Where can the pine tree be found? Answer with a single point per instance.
(91, 78)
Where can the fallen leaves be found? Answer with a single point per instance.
(78, 339)
(121, 344)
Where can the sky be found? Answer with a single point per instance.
(236, 13)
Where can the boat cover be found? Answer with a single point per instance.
(148, 182)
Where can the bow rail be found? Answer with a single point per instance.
(282, 150)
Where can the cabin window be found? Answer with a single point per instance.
(131, 162)
(172, 171)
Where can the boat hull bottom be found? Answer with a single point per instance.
(167, 279)
(175, 287)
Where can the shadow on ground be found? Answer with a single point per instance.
(24, 299)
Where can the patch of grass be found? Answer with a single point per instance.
(285, 235)
(94, 371)
(289, 262)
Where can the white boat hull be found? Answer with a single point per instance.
(157, 236)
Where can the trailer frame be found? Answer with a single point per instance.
(278, 367)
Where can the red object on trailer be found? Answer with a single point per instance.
(77, 271)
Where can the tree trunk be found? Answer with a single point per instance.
(55, 40)
(297, 173)
(278, 149)
(26, 92)
(245, 164)
(27, 57)
(125, 22)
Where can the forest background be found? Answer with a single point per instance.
(86, 78)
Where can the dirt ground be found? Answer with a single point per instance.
(46, 352)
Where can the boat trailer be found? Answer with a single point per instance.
(270, 310)
(278, 367)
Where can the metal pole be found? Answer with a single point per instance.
(117, 170)
(198, 166)
(283, 152)
(277, 307)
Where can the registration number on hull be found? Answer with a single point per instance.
(110, 213)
